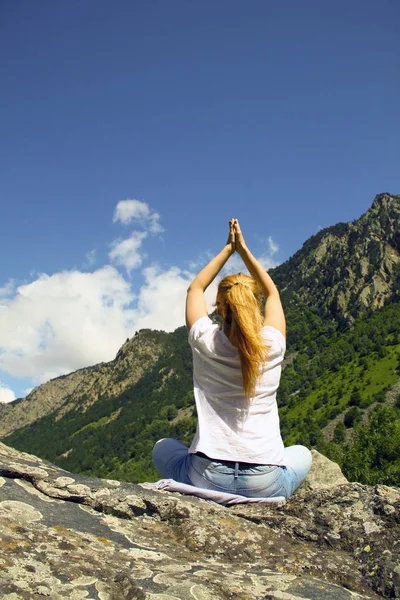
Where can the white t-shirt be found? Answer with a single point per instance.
(229, 428)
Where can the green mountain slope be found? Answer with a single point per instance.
(121, 429)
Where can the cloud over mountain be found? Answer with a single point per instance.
(64, 321)
(6, 394)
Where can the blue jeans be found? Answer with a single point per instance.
(173, 461)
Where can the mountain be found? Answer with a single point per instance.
(341, 297)
(348, 268)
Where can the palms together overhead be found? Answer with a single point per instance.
(235, 236)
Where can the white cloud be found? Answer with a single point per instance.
(126, 252)
(7, 289)
(91, 257)
(63, 322)
(267, 262)
(127, 211)
(6, 395)
(161, 301)
(273, 247)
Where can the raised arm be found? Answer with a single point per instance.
(195, 301)
(274, 314)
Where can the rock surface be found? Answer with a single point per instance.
(68, 536)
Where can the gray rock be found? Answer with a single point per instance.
(324, 474)
(74, 537)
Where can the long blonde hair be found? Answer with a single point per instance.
(238, 303)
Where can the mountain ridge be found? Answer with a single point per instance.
(347, 268)
(125, 369)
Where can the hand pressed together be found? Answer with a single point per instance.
(235, 236)
(231, 236)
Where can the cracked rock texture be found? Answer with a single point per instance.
(74, 537)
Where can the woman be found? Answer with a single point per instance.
(237, 447)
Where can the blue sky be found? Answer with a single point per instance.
(285, 115)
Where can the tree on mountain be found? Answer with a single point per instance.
(355, 398)
(339, 435)
(352, 417)
(374, 456)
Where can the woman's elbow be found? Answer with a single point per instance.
(194, 287)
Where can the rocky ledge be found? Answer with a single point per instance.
(74, 537)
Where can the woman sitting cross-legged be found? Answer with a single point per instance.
(237, 447)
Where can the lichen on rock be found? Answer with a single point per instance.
(68, 536)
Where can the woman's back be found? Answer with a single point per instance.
(231, 426)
